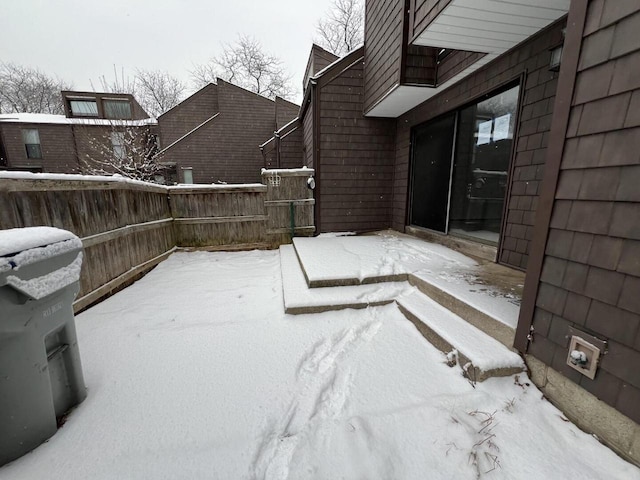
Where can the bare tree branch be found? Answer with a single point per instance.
(28, 90)
(122, 84)
(247, 65)
(342, 30)
(158, 91)
(130, 151)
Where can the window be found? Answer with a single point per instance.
(117, 140)
(83, 108)
(187, 173)
(31, 140)
(118, 109)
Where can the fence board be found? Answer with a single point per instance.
(129, 227)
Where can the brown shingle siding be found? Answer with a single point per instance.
(592, 258)
(356, 156)
(383, 48)
(224, 149)
(535, 123)
(188, 114)
(56, 142)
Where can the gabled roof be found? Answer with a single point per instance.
(333, 68)
(190, 98)
(317, 50)
(221, 82)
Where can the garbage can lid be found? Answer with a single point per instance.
(38, 247)
(16, 240)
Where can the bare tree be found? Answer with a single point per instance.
(119, 84)
(29, 90)
(342, 29)
(158, 91)
(247, 65)
(119, 148)
(155, 90)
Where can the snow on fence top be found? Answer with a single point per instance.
(217, 186)
(76, 177)
(120, 179)
(62, 120)
(288, 171)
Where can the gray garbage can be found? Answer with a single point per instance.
(40, 371)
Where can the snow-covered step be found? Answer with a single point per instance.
(494, 314)
(480, 355)
(346, 261)
(299, 298)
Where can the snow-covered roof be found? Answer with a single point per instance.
(62, 120)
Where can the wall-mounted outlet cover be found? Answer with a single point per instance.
(583, 356)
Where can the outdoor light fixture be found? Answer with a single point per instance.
(556, 55)
(556, 59)
(311, 183)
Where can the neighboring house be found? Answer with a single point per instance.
(213, 135)
(96, 127)
(511, 125)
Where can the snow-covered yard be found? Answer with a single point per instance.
(196, 372)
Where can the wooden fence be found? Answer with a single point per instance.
(128, 227)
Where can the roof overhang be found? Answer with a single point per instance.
(491, 27)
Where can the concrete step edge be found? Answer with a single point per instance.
(486, 323)
(446, 345)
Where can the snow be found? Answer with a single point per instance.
(196, 372)
(14, 240)
(340, 257)
(273, 171)
(43, 286)
(336, 234)
(62, 120)
(482, 350)
(216, 186)
(298, 295)
(504, 307)
(75, 177)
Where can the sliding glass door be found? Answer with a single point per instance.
(432, 149)
(465, 199)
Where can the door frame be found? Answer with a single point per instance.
(517, 80)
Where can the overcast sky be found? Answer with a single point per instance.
(80, 40)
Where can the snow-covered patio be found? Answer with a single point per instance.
(196, 371)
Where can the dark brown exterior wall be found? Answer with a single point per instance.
(356, 157)
(93, 142)
(188, 114)
(455, 63)
(321, 59)
(307, 136)
(530, 59)
(318, 59)
(226, 148)
(285, 112)
(420, 65)
(383, 48)
(56, 142)
(291, 154)
(591, 268)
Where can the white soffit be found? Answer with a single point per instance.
(490, 26)
(404, 97)
(487, 26)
